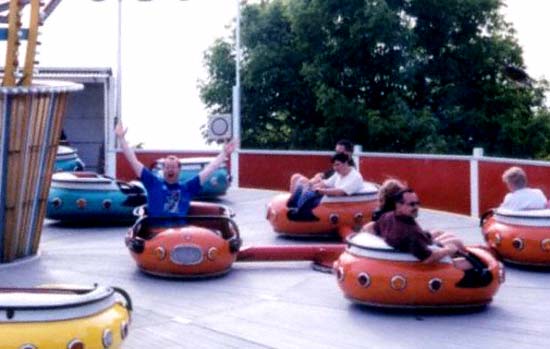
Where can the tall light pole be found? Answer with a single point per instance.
(111, 157)
(110, 141)
(236, 107)
(236, 92)
(118, 98)
(118, 85)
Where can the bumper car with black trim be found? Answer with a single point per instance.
(202, 244)
(372, 273)
(67, 160)
(88, 196)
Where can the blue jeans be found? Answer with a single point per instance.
(302, 202)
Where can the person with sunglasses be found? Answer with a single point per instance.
(400, 230)
(386, 197)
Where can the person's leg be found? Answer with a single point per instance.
(295, 197)
(308, 201)
(477, 275)
(297, 180)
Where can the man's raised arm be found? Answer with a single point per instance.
(129, 153)
(214, 164)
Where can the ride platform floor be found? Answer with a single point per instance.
(280, 304)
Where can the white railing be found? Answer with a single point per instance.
(474, 160)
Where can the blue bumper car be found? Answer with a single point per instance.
(91, 197)
(67, 160)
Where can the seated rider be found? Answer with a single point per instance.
(386, 197)
(346, 180)
(166, 196)
(520, 196)
(401, 231)
(342, 146)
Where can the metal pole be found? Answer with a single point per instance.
(474, 182)
(118, 99)
(238, 49)
(111, 144)
(237, 99)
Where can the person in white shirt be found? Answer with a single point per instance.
(520, 196)
(296, 180)
(346, 180)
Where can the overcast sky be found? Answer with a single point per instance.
(530, 19)
(163, 45)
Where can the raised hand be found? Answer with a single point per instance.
(120, 131)
(230, 147)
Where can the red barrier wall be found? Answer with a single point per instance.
(440, 184)
(492, 189)
(148, 158)
(273, 171)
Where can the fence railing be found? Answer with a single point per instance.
(462, 184)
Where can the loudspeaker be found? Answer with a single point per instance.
(219, 127)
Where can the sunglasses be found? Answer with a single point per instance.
(412, 203)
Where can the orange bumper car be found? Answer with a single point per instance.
(333, 215)
(372, 273)
(206, 244)
(520, 237)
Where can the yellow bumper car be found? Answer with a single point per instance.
(59, 318)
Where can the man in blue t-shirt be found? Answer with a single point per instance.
(167, 197)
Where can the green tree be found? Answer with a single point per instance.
(462, 49)
(394, 75)
(216, 91)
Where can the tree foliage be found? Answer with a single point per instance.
(392, 75)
